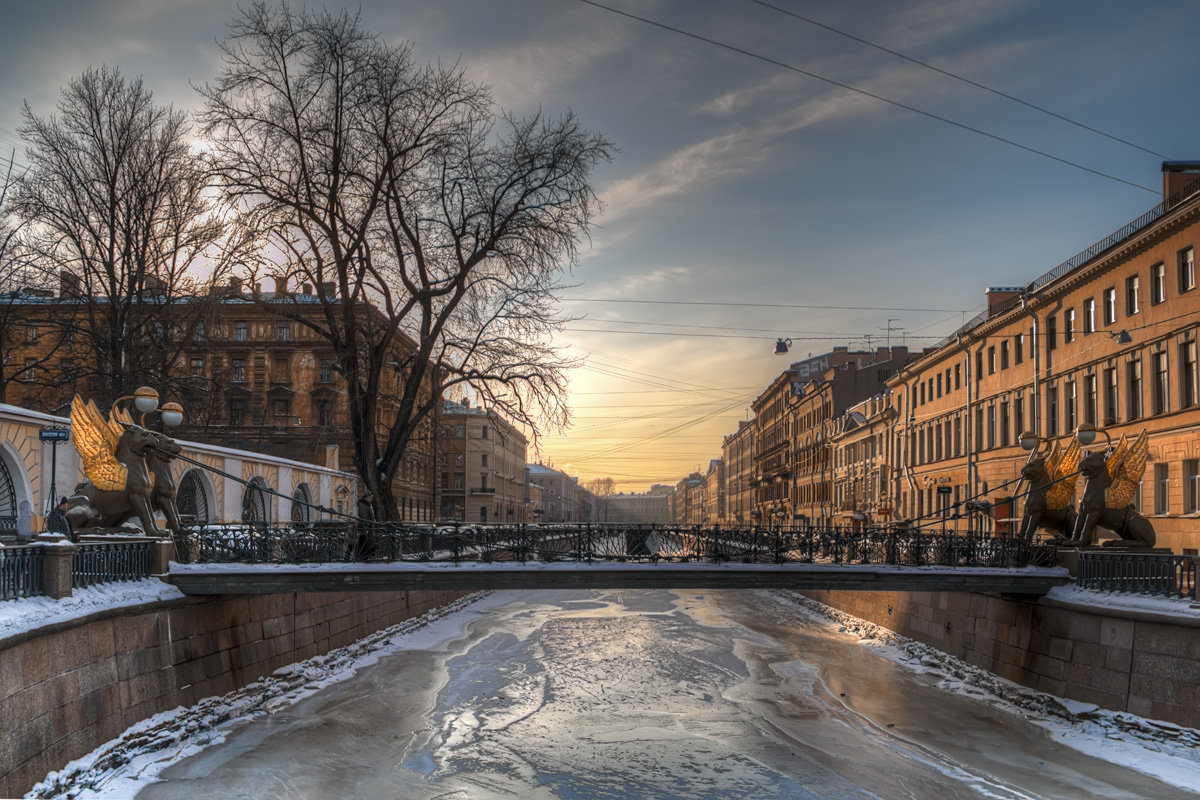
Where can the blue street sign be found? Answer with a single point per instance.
(54, 433)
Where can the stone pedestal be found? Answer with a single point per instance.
(58, 572)
(161, 551)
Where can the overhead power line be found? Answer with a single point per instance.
(755, 305)
(866, 93)
(957, 77)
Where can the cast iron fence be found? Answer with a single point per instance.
(20, 572)
(1160, 574)
(620, 543)
(107, 562)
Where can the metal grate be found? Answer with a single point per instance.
(109, 562)
(20, 572)
(1157, 574)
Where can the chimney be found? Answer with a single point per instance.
(1176, 176)
(69, 284)
(327, 290)
(280, 286)
(1001, 298)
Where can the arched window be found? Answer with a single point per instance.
(301, 513)
(192, 498)
(255, 510)
(8, 501)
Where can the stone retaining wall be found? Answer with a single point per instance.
(69, 687)
(1143, 663)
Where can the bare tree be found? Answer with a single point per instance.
(602, 489)
(117, 207)
(433, 228)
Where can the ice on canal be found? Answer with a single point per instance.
(645, 694)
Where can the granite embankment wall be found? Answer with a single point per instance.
(1144, 663)
(71, 686)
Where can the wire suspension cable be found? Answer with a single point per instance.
(957, 77)
(866, 93)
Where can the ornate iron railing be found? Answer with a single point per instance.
(20, 572)
(1161, 574)
(107, 562)
(621, 543)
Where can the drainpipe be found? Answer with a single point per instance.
(1035, 406)
(968, 444)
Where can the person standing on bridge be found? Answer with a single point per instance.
(363, 546)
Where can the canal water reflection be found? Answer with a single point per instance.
(645, 694)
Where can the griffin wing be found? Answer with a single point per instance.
(1064, 472)
(96, 444)
(1125, 475)
(115, 419)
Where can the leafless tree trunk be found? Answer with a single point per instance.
(432, 228)
(116, 206)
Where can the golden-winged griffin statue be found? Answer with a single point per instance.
(1049, 501)
(121, 461)
(1108, 493)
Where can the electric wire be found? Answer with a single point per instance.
(866, 93)
(957, 77)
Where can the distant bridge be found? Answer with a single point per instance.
(248, 560)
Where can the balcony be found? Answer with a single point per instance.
(483, 490)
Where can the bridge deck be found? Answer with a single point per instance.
(224, 579)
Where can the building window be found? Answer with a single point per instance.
(958, 436)
(958, 376)
(283, 331)
(241, 331)
(237, 369)
(1191, 486)
(1110, 396)
(31, 332)
(939, 384)
(483, 459)
(1187, 269)
(1133, 377)
(1051, 411)
(30, 373)
(1110, 306)
(1069, 325)
(1004, 424)
(281, 407)
(1070, 405)
(281, 369)
(1133, 299)
(325, 371)
(1189, 389)
(1158, 283)
(1019, 415)
(483, 432)
(325, 414)
(196, 366)
(1162, 488)
(1004, 354)
(1090, 399)
(1051, 333)
(991, 351)
(458, 432)
(1159, 397)
(237, 411)
(1089, 315)
(1019, 348)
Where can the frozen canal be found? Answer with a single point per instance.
(644, 695)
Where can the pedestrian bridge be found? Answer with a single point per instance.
(393, 558)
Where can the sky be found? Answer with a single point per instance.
(749, 199)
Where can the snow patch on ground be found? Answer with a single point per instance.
(121, 767)
(1179, 608)
(1163, 750)
(30, 613)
